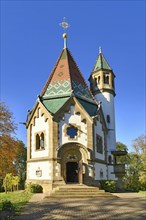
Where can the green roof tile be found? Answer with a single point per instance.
(90, 108)
(101, 63)
(53, 105)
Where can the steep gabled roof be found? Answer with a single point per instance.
(101, 63)
(65, 81)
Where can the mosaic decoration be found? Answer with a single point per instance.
(64, 87)
(61, 87)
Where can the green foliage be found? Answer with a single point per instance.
(121, 147)
(12, 150)
(8, 206)
(135, 178)
(10, 182)
(18, 198)
(35, 188)
(121, 159)
(108, 185)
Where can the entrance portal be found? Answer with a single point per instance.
(72, 172)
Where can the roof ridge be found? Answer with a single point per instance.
(80, 74)
(76, 66)
(70, 78)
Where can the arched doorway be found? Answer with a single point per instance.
(72, 172)
(73, 157)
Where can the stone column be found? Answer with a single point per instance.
(80, 171)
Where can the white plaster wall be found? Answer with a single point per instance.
(44, 166)
(97, 168)
(108, 108)
(72, 118)
(40, 126)
(111, 175)
(98, 130)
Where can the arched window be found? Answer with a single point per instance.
(42, 141)
(37, 142)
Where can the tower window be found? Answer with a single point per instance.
(108, 118)
(106, 79)
(99, 144)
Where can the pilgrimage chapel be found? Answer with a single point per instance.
(71, 128)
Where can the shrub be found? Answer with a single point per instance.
(36, 188)
(108, 185)
(8, 206)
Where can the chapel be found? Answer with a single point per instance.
(71, 128)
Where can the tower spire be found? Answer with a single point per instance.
(64, 24)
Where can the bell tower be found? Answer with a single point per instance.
(103, 88)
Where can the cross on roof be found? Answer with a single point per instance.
(64, 24)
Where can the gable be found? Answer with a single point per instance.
(35, 113)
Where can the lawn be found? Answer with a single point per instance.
(18, 198)
(143, 192)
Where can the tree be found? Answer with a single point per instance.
(139, 145)
(135, 178)
(12, 151)
(10, 182)
(7, 182)
(121, 147)
(20, 163)
(7, 124)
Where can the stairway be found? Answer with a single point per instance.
(78, 191)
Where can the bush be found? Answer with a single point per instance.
(8, 206)
(108, 185)
(36, 188)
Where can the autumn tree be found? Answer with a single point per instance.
(12, 151)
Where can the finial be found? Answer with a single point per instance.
(100, 50)
(64, 25)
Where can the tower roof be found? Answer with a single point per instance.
(101, 63)
(65, 81)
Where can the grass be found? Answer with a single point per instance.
(142, 192)
(18, 198)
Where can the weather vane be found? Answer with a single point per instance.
(64, 25)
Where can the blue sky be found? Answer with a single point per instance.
(31, 41)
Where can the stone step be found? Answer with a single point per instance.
(81, 190)
(81, 194)
(78, 191)
(104, 195)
